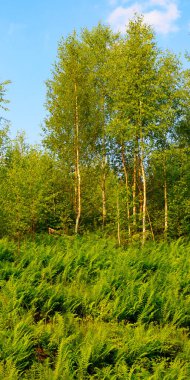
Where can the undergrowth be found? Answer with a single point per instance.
(81, 308)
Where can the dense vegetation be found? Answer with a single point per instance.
(80, 308)
(108, 295)
(115, 150)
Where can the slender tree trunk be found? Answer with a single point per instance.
(104, 184)
(144, 208)
(165, 203)
(77, 166)
(127, 188)
(140, 189)
(118, 219)
(134, 192)
(76, 191)
(166, 208)
(104, 162)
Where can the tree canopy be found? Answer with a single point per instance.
(115, 142)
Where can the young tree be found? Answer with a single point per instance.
(98, 45)
(66, 128)
(144, 87)
(113, 103)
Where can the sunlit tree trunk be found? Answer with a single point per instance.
(134, 191)
(104, 180)
(144, 201)
(165, 208)
(77, 167)
(127, 188)
(144, 207)
(165, 203)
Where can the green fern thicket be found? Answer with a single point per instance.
(82, 308)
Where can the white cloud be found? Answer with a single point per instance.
(163, 21)
(120, 16)
(161, 14)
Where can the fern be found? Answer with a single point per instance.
(80, 308)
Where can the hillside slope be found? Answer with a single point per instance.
(81, 308)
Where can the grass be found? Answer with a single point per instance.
(81, 308)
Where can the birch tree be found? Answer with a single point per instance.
(67, 102)
(98, 44)
(134, 108)
(144, 89)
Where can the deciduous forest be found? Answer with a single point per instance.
(106, 296)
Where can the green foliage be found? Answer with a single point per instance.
(3, 101)
(26, 189)
(117, 161)
(130, 101)
(117, 143)
(81, 308)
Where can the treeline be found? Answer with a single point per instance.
(116, 140)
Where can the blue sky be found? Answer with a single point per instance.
(30, 32)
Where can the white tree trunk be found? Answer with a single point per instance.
(127, 189)
(77, 169)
